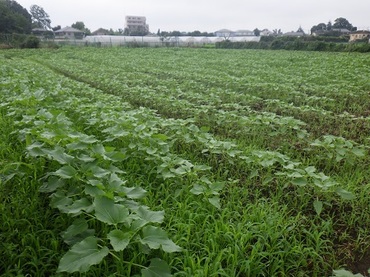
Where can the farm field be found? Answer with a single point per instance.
(184, 162)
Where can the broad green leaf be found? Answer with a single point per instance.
(59, 200)
(94, 190)
(98, 149)
(155, 238)
(150, 216)
(358, 152)
(345, 273)
(216, 187)
(345, 194)
(299, 181)
(167, 174)
(98, 172)
(134, 193)
(202, 167)
(151, 151)
(66, 172)
(115, 156)
(78, 226)
(77, 232)
(88, 139)
(119, 239)
(52, 184)
(181, 170)
(310, 169)
(109, 212)
(36, 149)
(157, 268)
(115, 182)
(317, 204)
(79, 205)
(215, 201)
(198, 189)
(82, 256)
(59, 155)
(139, 128)
(253, 174)
(76, 146)
(86, 158)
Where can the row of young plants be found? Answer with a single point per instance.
(227, 119)
(80, 171)
(258, 73)
(143, 136)
(325, 88)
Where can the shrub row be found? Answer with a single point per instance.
(19, 41)
(296, 44)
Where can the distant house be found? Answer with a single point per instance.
(69, 33)
(294, 34)
(319, 33)
(341, 31)
(42, 33)
(359, 35)
(243, 33)
(101, 32)
(226, 33)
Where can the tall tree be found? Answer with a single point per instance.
(342, 23)
(14, 18)
(79, 25)
(321, 27)
(40, 19)
(329, 26)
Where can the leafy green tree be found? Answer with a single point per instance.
(79, 25)
(277, 32)
(40, 19)
(342, 23)
(257, 32)
(329, 26)
(56, 28)
(14, 18)
(321, 27)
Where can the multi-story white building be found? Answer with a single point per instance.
(136, 24)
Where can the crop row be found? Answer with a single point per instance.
(102, 160)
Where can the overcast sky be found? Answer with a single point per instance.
(206, 15)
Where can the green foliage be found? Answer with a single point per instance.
(346, 273)
(83, 255)
(20, 41)
(14, 18)
(142, 168)
(31, 42)
(306, 43)
(40, 19)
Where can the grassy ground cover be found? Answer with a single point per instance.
(190, 161)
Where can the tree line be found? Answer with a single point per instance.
(16, 19)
